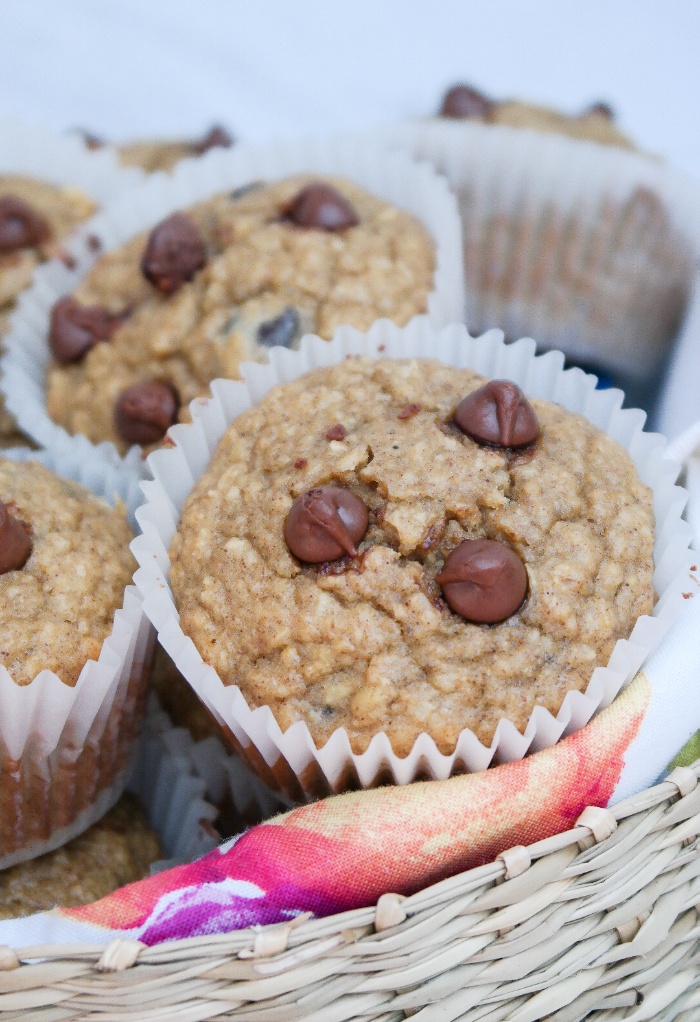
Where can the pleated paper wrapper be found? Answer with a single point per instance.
(394, 177)
(588, 248)
(66, 751)
(290, 761)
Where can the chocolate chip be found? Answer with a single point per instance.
(337, 432)
(91, 140)
(499, 415)
(483, 581)
(15, 541)
(174, 253)
(325, 523)
(281, 331)
(74, 329)
(144, 412)
(216, 138)
(462, 101)
(20, 226)
(408, 411)
(238, 193)
(321, 206)
(93, 243)
(300, 463)
(600, 108)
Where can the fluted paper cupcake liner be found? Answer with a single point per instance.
(588, 248)
(66, 751)
(175, 795)
(394, 177)
(37, 151)
(291, 759)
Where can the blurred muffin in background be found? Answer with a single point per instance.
(35, 217)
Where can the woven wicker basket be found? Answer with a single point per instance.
(599, 923)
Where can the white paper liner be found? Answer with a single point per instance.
(553, 249)
(395, 177)
(173, 793)
(66, 752)
(63, 160)
(184, 784)
(291, 758)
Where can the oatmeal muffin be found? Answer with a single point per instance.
(35, 217)
(64, 565)
(594, 124)
(400, 546)
(162, 154)
(116, 851)
(159, 318)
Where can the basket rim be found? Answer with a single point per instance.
(595, 827)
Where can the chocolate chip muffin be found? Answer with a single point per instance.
(162, 154)
(35, 217)
(116, 851)
(594, 124)
(64, 565)
(400, 546)
(159, 318)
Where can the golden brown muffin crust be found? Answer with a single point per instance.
(374, 648)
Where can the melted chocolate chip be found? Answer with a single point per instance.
(216, 138)
(74, 329)
(91, 140)
(325, 523)
(144, 412)
(15, 541)
(20, 226)
(483, 581)
(323, 207)
(282, 330)
(499, 415)
(461, 101)
(240, 192)
(174, 253)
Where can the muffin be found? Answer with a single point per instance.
(157, 319)
(569, 235)
(401, 547)
(64, 566)
(35, 217)
(73, 658)
(594, 124)
(162, 154)
(118, 850)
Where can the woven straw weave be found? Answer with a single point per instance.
(600, 923)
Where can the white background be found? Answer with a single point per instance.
(266, 67)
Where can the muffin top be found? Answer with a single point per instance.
(163, 154)
(34, 217)
(594, 124)
(64, 564)
(170, 311)
(383, 635)
(116, 851)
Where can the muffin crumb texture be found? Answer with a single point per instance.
(57, 610)
(368, 643)
(116, 851)
(266, 280)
